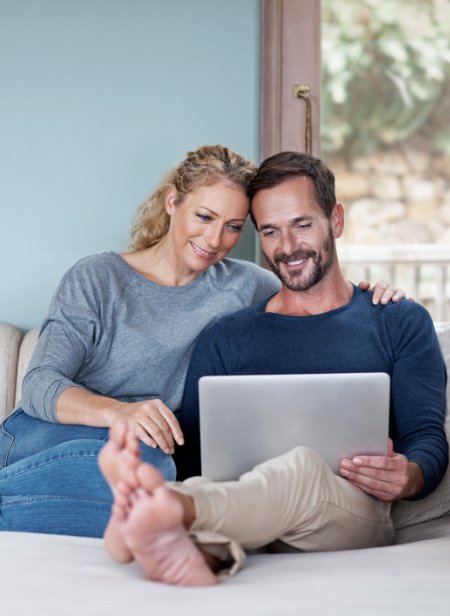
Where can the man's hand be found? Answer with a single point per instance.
(383, 292)
(388, 478)
(153, 423)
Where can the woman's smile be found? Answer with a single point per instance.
(200, 252)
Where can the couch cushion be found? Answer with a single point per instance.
(405, 513)
(10, 338)
(433, 529)
(50, 575)
(25, 353)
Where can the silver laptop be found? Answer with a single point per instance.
(245, 420)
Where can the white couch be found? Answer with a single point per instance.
(59, 575)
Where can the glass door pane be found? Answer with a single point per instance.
(385, 131)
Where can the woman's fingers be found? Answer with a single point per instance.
(383, 292)
(173, 423)
(166, 426)
(158, 429)
(154, 424)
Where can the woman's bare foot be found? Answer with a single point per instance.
(154, 533)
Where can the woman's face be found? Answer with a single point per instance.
(207, 224)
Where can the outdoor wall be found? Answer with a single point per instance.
(398, 196)
(99, 98)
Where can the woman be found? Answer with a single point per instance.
(117, 342)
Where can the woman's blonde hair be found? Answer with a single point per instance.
(203, 167)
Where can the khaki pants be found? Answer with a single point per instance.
(294, 498)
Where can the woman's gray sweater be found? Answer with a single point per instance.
(115, 333)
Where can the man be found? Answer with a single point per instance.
(317, 322)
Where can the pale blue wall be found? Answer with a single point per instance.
(98, 99)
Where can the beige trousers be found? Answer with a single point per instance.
(294, 499)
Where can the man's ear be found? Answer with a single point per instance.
(170, 201)
(337, 219)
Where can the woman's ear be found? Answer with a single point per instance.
(337, 220)
(170, 201)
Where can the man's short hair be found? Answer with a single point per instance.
(286, 165)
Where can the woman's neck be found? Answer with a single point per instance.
(159, 264)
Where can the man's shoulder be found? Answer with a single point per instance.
(406, 310)
(407, 323)
(403, 309)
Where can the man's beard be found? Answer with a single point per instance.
(322, 261)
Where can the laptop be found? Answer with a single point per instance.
(245, 420)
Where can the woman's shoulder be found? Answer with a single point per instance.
(102, 264)
(251, 282)
(94, 273)
(231, 269)
(96, 261)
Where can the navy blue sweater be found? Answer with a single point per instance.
(398, 339)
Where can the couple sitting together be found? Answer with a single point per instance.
(127, 334)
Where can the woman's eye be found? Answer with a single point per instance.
(235, 228)
(204, 217)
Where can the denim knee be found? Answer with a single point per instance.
(162, 461)
(22, 436)
(6, 441)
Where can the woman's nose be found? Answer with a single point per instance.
(213, 236)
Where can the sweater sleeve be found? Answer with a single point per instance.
(65, 342)
(418, 393)
(207, 360)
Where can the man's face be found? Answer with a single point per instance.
(297, 239)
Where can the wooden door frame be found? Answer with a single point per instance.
(290, 54)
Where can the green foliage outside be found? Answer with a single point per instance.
(386, 73)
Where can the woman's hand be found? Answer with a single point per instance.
(383, 292)
(153, 423)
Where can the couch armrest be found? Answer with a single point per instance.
(25, 353)
(10, 339)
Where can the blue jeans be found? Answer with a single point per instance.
(50, 481)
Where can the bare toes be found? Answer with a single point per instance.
(149, 478)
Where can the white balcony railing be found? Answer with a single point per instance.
(422, 270)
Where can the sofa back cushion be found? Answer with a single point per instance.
(10, 339)
(25, 353)
(15, 353)
(437, 504)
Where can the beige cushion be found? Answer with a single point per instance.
(55, 575)
(10, 338)
(25, 353)
(405, 513)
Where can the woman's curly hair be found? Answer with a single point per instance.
(203, 167)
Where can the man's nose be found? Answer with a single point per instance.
(288, 242)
